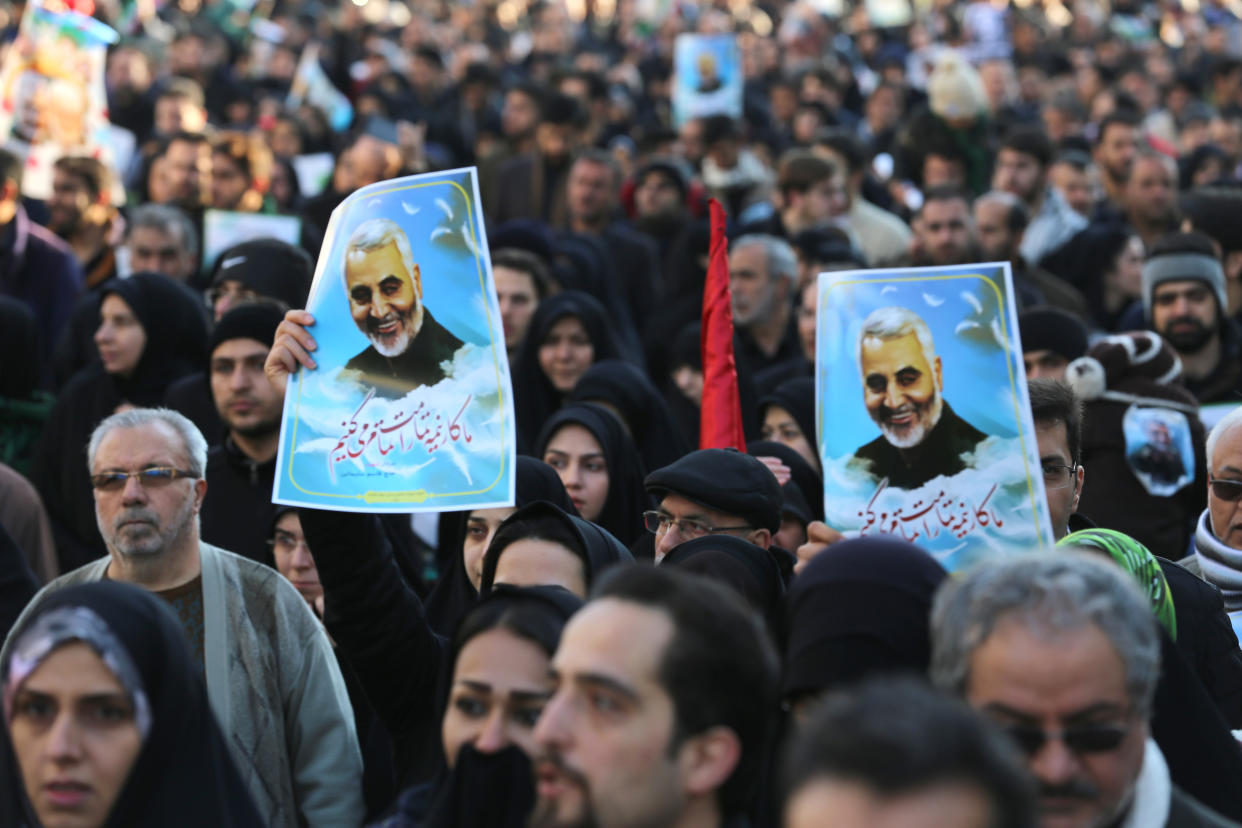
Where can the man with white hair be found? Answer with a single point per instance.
(1062, 652)
(1218, 538)
(763, 277)
(385, 290)
(272, 680)
(920, 435)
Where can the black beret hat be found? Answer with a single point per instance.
(724, 480)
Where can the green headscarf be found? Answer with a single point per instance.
(1136, 559)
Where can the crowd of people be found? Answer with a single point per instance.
(655, 633)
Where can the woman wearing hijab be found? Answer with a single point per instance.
(499, 660)
(600, 467)
(542, 545)
(858, 610)
(112, 658)
(748, 569)
(627, 392)
(152, 331)
(467, 535)
(568, 333)
(787, 415)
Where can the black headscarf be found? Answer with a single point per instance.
(488, 789)
(174, 320)
(806, 480)
(594, 546)
(454, 595)
(859, 608)
(739, 564)
(183, 774)
(797, 396)
(20, 352)
(534, 396)
(622, 514)
(644, 411)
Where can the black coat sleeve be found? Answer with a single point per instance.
(379, 625)
(1206, 639)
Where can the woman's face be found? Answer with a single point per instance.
(120, 336)
(480, 529)
(532, 562)
(500, 685)
(75, 737)
(1127, 273)
(579, 459)
(566, 353)
(779, 426)
(293, 557)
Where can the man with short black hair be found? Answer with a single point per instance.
(1022, 170)
(1184, 297)
(80, 211)
(812, 192)
(944, 229)
(522, 282)
(666, 688)
(881, 236)
(532, 185)
(1149, 196)
(895, 753)
(1057, 413)
(36, 267)
(242, 467)
(1116, 144)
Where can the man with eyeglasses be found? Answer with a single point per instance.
(1062, 652)
(272, 680)
(713, 491)
(1218, 536)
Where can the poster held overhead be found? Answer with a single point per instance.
(410, 407)
(924, 425)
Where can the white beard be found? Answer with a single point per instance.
(916, 432)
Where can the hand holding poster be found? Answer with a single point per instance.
(925, 429)
(707, 77)
(410, 407)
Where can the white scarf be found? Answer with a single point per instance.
(1221, 565)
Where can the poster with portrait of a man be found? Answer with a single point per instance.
(924, 425)
(707, 77)
(410, 406)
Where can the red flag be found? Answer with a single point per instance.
(720, 416)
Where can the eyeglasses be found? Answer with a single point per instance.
(152, 478)
(1084, 740)
(659, 523)
(1228, 490)
(1058, 477)
(287, 543)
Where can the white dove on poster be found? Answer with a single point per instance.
(444, 205)
(934, 301)
(410, 210)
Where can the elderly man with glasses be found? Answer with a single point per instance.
(272, 680)
(1218, 537)
(1063, 653)
(713, 491)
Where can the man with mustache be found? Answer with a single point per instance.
(1185, 299)
(272, 680)
(1062, 652)
(666, 690)
(385, 289)
(921, 437)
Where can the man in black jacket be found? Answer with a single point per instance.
(240, 470)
